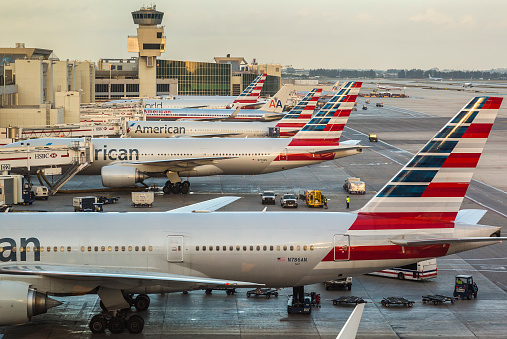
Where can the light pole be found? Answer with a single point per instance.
(109, 81)
(4, 62)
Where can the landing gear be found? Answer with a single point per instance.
(177, 187)
(117, 320)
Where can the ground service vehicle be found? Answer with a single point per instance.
(143, 199)
(268, 198)
(304, 307)
(267, 292)
(41, 192)
(339, 283)
(465, 287)
(421, 270)
(312, 198)
(86, 204)
(397, 301)
(380, 104)
(373, 138)
(289, 200)
(28, 197)
(108, 200)
(354, 186)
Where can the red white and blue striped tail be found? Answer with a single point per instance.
(300, 115)
(433, 184)
(251, 94)
(326, 127)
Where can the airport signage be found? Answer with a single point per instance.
(5, 167)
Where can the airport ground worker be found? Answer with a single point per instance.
(348, 201)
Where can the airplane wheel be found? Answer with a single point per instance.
(116, 325)
(176, 188)
(186, 183)
(97, 324)
(184, 189)
(168, 183)
(167, 189)
(142, 302)
(135, 324)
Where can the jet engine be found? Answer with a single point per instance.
(19, 302)
(121, 176)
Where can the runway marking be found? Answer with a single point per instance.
(483, 205)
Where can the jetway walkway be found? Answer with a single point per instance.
(61, 161)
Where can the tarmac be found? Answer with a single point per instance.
(403, 126)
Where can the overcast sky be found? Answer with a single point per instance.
(363, 34)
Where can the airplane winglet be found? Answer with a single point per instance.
(235, 113)
(349, 330)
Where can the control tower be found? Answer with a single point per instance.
(149, 43)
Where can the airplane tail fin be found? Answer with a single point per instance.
(251, 94)
(300, 115)
(336, 87)
(326, 127)
(433, 184)
(278, 101)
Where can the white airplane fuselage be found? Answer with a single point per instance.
(278, 249)
(245, 156)
(171, 129)
(156, 114)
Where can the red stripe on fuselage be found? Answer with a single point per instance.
(305, 157)
(389, 252)
(446, 189)
(403, 220)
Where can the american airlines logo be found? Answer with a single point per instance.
(116, 154)
(153, 105)
(159, 129)
(9, 252)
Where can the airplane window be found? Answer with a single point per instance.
(21, 249)
(109, 248)
(278, 248)
(96, 248)
(299, 248)
(116, 248)
(62, 249)
(218, 248)
(82, 249)
(130, 248)
(224, 248)
(150, 248)
(197, 248)
(41, 249)
(143, 248)
(211, 248)
(258, 248)
(251, 248)
(285, 248)
(292, 248)
(271, 248)
(89, 248)
(55, 249)
(103, 248)
(123, 248)
(264, 248)
(204, 248)
(231, 248)
(305, 248)
(13, 249)
(244, 248)
(311, 247)
(68, 249)
(237, 248)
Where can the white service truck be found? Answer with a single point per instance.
(354, 186)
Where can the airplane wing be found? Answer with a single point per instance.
(349, 330)
(339, 149)
(206, 206)
(123, 278)
(175, 164)
(470, 216)
(437, 241)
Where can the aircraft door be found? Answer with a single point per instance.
(341, 247)
(175, 248)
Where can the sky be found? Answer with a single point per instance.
(358, 34)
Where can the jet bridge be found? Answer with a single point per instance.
(62, 161)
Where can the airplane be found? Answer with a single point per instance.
(124, 162)
(468, 84)
(436, 79)
(249, 96)
(269, 111)
(415, 216)
(387, 88)
(292, 122)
